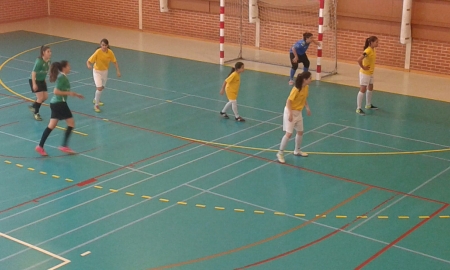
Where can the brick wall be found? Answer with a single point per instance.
(14, 10)
(119, 13)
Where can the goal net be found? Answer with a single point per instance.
(276, 25)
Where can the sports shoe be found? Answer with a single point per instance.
(300, 153)
(99, 103)
(41, 151)
(291, 82)
(224, 115)
(280, 157)
(239, 119)
(31, 108)
(371, 107)
(37, 116)
(96, 108)
(66, 149)
(360, 112)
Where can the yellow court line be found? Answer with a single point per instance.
(314, 153)
(22, 96)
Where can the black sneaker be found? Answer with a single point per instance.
(371, 107)
(360, 112)
(239, 119)
(224, 115)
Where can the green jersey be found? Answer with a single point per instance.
(62, 84)
(41, 68)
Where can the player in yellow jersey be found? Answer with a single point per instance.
(231, 88)
(367, 63)
(292, 117)
(101, 59)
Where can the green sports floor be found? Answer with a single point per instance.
(160, 181)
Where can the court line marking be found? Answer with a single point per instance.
(64, 260)
(404, 196)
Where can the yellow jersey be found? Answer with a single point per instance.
(233, 84)
(369, 60)
(298, 98)
(102, 59)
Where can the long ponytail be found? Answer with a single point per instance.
(301, 78)
(238, 65)
(369, 40)
(42, 50)
(55, 68)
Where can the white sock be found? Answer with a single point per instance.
(368, 97)
(359, 100)
(226, 107)
(97, 96)
(298, 141)
(235, 109)
(283, 143)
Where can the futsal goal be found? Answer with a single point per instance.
(264, 30)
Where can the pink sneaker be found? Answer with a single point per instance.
(66, 149)
(41, 151)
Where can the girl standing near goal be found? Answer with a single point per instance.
(37, 81)
(58, 106)
(297, 54)
(292, 117)
(367, 63)
(231, 88)
(101, 59)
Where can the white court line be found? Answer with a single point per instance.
(381, 145)
(9, 103)
(107, 180)
(162, 103)
(391, 135)
(190, 95)
(323, 225)
(404, 196)
(64, 260)
(16, 80)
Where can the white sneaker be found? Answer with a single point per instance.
(280, 157)
(300, 153)
(291, 82)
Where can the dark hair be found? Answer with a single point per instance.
(369, 40)
(238, 65)
(300, 78)
(56, 68)
(43, 49)
(307, 35)
(105, 41)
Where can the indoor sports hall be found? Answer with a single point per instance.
(161, 181)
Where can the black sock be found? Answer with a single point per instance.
(44, 137)
(67, 135)
(36, 107)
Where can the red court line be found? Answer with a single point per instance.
(315, 241)
(86, 182)
(269, 160)
(376, 255)
(264, 240)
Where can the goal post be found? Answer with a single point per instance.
(263, 31)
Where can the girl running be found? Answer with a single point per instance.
(292, 117)
(367, 63)
(37, 80)
(231, 87)
(58, 106)
(101, 59)
(297, 54)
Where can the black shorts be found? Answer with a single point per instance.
(60, 111)
(42, 86)
(301, 59)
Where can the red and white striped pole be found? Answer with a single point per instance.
(320, 39)
(222, 31)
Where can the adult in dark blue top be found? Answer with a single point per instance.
(298, 54)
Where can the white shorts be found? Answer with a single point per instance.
(365, 79)
(297, 121)
(100, 77)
